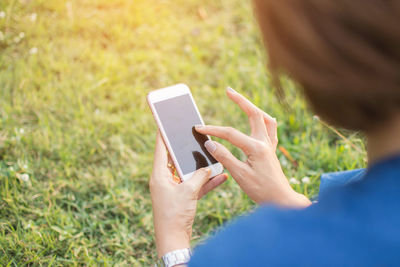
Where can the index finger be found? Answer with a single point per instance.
(242, 102)
(233, 136)
(255, 115)
(248, 107)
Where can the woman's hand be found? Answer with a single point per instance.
(174, 204)
(261, 176)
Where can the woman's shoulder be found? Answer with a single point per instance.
(356, 224)
(267, 233)
(336, 230)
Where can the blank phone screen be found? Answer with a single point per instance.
(178, 117)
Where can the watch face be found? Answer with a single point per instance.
(176, 257)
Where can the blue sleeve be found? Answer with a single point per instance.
(328, 235)
(354, 225)
(332, 180)
(260, 237)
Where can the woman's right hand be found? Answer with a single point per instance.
(261, 176)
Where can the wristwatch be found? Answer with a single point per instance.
(173, 258)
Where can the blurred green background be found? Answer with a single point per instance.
(77, 137)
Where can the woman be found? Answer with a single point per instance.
(345, 54)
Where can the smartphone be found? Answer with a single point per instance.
(176, 114)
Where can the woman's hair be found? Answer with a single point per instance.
(344, 53)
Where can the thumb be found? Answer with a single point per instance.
(199, 178)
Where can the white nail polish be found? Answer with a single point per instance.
(210, 146)
(230, 89)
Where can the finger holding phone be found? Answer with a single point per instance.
(260, 176)
(175, 198)
(174, 204)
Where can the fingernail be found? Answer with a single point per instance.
(210, 146)
(230, 89)
(199, 126)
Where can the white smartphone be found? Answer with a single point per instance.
(176, 115)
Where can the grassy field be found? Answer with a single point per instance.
(76, 136)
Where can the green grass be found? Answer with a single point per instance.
(73, 117)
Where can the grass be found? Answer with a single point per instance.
(76, 136)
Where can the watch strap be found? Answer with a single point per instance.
(175, 257)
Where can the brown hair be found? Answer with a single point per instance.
(344, 53)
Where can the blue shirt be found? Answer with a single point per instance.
(354, 225)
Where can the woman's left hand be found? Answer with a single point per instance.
(174, 204)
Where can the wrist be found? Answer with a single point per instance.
(294, 200)
(171, 240)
